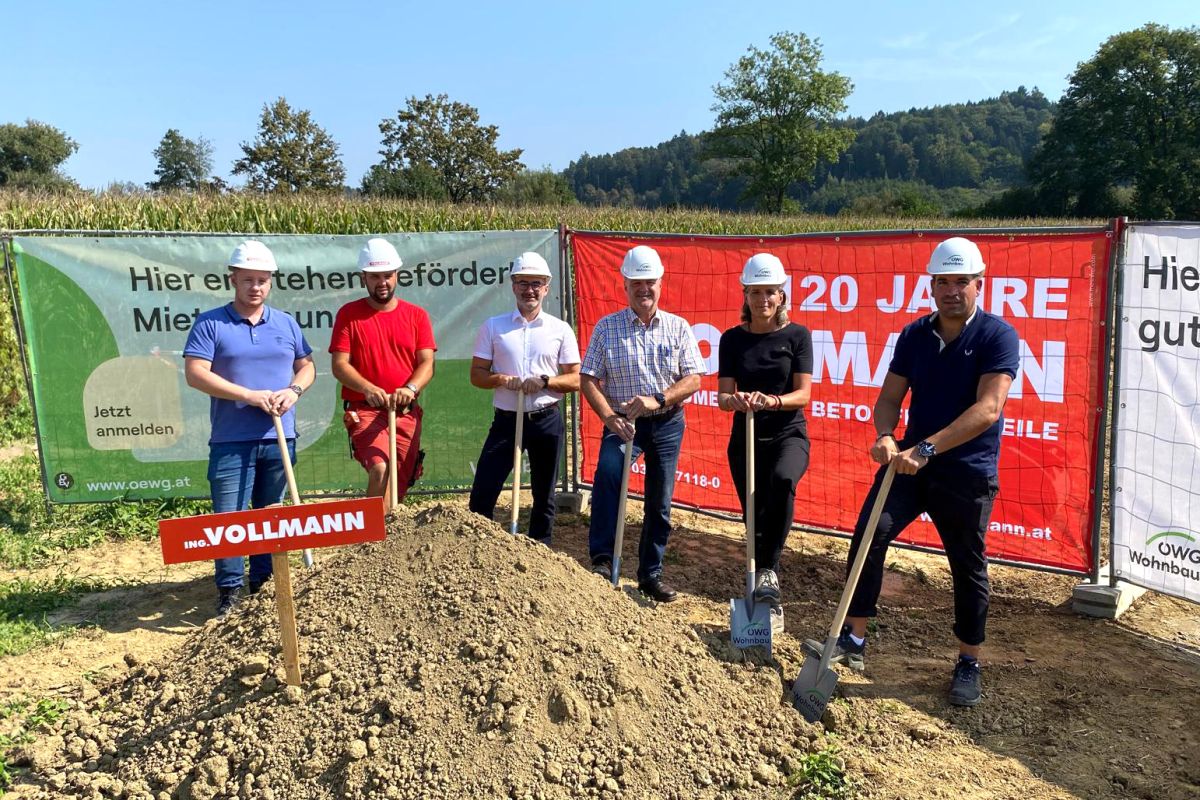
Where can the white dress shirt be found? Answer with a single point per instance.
(526, 349)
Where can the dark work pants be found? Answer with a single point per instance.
(960, 505)
(542, 441)
(780, 463)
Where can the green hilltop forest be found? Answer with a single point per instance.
(947, 159)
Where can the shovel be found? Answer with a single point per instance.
(750, 622)
(393, 478)
(619, 541)
(291, 476)
(516, 483)
(814, 687)
(281, 573)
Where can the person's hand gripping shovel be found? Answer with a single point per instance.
(516, 471)
(814, 687)
(750, 622)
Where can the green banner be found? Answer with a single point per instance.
(106, 319)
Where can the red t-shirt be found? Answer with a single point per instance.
(382, 345)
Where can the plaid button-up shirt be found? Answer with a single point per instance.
(633, 359)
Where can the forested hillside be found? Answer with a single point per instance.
(924, 160)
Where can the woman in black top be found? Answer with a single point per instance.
(766, 365)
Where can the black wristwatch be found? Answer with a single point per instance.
(661, 399)
(297, 388)
(545, 381)
(926, 450)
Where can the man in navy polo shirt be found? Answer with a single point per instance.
(958, 363)
(254, 363)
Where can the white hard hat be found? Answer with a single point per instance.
(530, 264)
(378, 255)
(763, 269)
(253, 255)
(955, 256)
(642, 264)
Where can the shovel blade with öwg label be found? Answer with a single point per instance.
(749, 624)
(813, 689)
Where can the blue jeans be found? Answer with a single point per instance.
(659, 438)
(242, 474)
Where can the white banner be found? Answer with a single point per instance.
(1156, 494)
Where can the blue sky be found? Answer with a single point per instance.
(559, 79)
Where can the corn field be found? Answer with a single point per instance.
(255, 213)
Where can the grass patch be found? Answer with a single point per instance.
(822, 776)
(19, 720)
(26, 604)
(30, 536)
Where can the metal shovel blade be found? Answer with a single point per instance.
(813, 689)
(749, 624)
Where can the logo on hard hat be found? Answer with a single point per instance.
(957, 261)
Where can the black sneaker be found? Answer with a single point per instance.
(766, 588)
(847, 653)
(603, 568)
(255, 586)
(966, 686)
(228, 599)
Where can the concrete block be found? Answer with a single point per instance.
(571, 502)
(1104, 601)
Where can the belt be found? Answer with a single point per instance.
(541, 412)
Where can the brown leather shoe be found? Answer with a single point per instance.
(655, 588)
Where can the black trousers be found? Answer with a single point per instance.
(780, 463)
(959, 505)
(542, 441)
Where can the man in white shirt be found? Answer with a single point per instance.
(534, 353)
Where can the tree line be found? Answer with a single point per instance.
(1123, 140)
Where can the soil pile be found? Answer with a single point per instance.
(451, 660)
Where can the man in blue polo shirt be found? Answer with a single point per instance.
(959, 363)
(254, 363)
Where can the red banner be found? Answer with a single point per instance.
(855, 292)
(271, 530)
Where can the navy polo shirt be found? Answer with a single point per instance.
(260, 356)
(945, 382)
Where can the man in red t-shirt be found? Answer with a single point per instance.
(382, 351)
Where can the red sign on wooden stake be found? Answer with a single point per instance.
(271, 530)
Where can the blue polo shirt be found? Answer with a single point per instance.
(945, 381)
(258, 356)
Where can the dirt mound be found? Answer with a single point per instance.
(452, 660)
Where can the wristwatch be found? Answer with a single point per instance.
(926, 450)
(412, 387)
(297, 388)
(661, 399)
(545, 381)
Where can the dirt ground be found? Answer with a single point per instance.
(1073, 707)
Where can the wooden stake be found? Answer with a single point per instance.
(286, 607)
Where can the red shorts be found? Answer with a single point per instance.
(369, 440)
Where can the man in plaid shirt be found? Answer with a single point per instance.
(641, 364)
